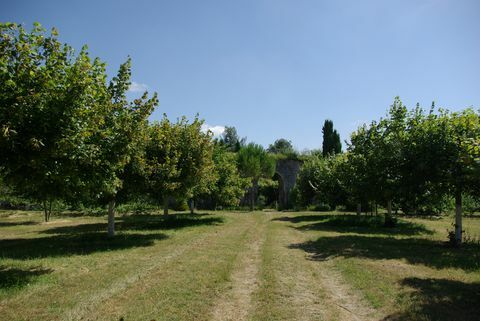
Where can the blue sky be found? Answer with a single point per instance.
(279, 68)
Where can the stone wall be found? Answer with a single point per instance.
(287, 170)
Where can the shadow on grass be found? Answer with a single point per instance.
(415, 250)
(7, 224)
(73, 244)
(142, 222)
(88, 238)
(18, 278)
(442, 300)
(355, 224)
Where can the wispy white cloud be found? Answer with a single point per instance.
(136, 87)
(216, 130)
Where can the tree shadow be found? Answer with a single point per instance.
(8, 224)
(143, 222)
(17, 278)
(302, 218)
(356, 224)
(440, 299)
(73, 244)
(431, 253)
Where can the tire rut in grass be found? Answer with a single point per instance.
(236, 302)
(339, 300)
(302, 297)
(89, 305)
(165, 292)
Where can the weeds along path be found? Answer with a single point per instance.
(235, 302)
(297, 288)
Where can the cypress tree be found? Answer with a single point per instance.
(331, 139)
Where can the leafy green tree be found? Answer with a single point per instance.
(179, 160)
(229, 186)
(307, 180)
(41, 98)
(281, 146)
(461, 155)
(331, 139)
(388, 145)
(319, 182)
(421, 190)
(199, 171)
(231, 140)
(117, 140)
(254, 162)
(48, 99)
(66, 134)
(377, 152)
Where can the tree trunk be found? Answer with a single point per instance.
(389, 208)
(252, 198)
(359, 208)
(376, 209)
(165, 205)
(45, 211)
(111, 218)
(458, 218)
(192, 206)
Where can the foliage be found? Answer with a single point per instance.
(47, 102)
(281, 146)
(229, 186)
(179, 161)
(409, 159)
(268, 190)
(254, 163)
(231, 140)
(319, 182)
(65, 134)
(331, 139)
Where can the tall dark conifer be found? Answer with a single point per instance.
(331, 139)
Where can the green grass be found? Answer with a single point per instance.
(311, 266)
(408, 272)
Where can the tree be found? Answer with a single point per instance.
(198, 166)
(319, 181)
(254, 162)
(48, 103)
(178, 159)
(66, 134)
(331, 139)
(281, 146)
(117, 140)
(461, 166)
(377, 152)
(229, 186)
(231, 140)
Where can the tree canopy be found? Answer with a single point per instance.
(281, 146)
(254, 162)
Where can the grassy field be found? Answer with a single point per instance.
(236, 266)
